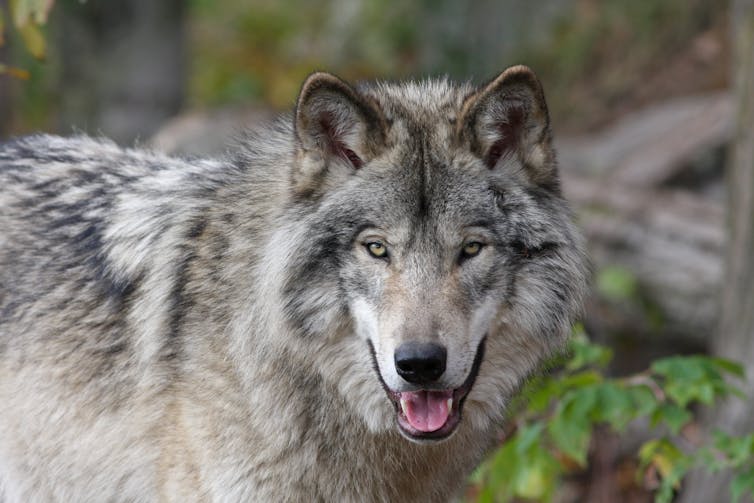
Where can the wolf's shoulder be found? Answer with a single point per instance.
(46, 146)
(41, 152)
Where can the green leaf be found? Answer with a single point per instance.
(743, 483)
(580, 380)
(571, 427)
(485, 496)
(681, 392)
(528, 436)
(502, 468)
(728, 366)
(686, 368)
(584, 353)
(664, 494)
(673, 416)
(705, 393)
(694, 378)
(540, 393)
(522, 467)
(645, 401)
(738, 450)
(615, 405)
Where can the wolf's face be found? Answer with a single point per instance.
(439, 228)
(425, 281)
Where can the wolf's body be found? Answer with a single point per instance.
(229, 330)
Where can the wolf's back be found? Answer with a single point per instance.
(83, 220)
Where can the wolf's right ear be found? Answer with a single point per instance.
(508, 118)
(334, 124)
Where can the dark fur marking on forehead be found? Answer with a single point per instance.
(498, 195)
(427, 102)
(423, 169)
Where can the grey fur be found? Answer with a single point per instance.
(189, 329)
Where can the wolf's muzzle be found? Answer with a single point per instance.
(428, 415)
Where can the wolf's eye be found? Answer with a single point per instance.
(471, 249)
(377, 249)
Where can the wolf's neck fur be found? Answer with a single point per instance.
(314, 439)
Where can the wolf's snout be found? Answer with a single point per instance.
(420, 362)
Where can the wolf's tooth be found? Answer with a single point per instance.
(404, 406)
(450, 405)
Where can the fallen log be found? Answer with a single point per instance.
(670, 240)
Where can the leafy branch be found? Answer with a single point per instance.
(557, 415)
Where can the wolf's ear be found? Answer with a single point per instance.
(335, 124)
(508, 117)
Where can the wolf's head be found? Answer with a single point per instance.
(430, 217)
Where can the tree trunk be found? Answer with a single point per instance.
(736, 337)
(123, 66)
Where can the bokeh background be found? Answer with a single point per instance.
(598, 59)
(642, 102)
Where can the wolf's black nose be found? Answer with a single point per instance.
(420, 362)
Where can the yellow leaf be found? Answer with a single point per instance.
(14, 72)
(532, 484)
(25, 12)
(17, 12)
(42, 10)
(663, 464)
(34, 40)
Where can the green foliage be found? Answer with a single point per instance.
(264, 49)
(617, 283)
(582, 62)
(28, 17)
(555, 420)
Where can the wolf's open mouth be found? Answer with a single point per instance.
(430, 414)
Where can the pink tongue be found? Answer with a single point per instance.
(427, 410)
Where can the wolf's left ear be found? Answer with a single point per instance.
(335, 124)
(508, 117)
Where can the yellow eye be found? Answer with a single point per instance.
(471, 249)
(377, 249)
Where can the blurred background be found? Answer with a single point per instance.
(123, 67)
(643, 105)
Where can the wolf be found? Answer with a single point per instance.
(339, 309)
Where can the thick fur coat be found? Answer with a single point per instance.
(230, 330)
